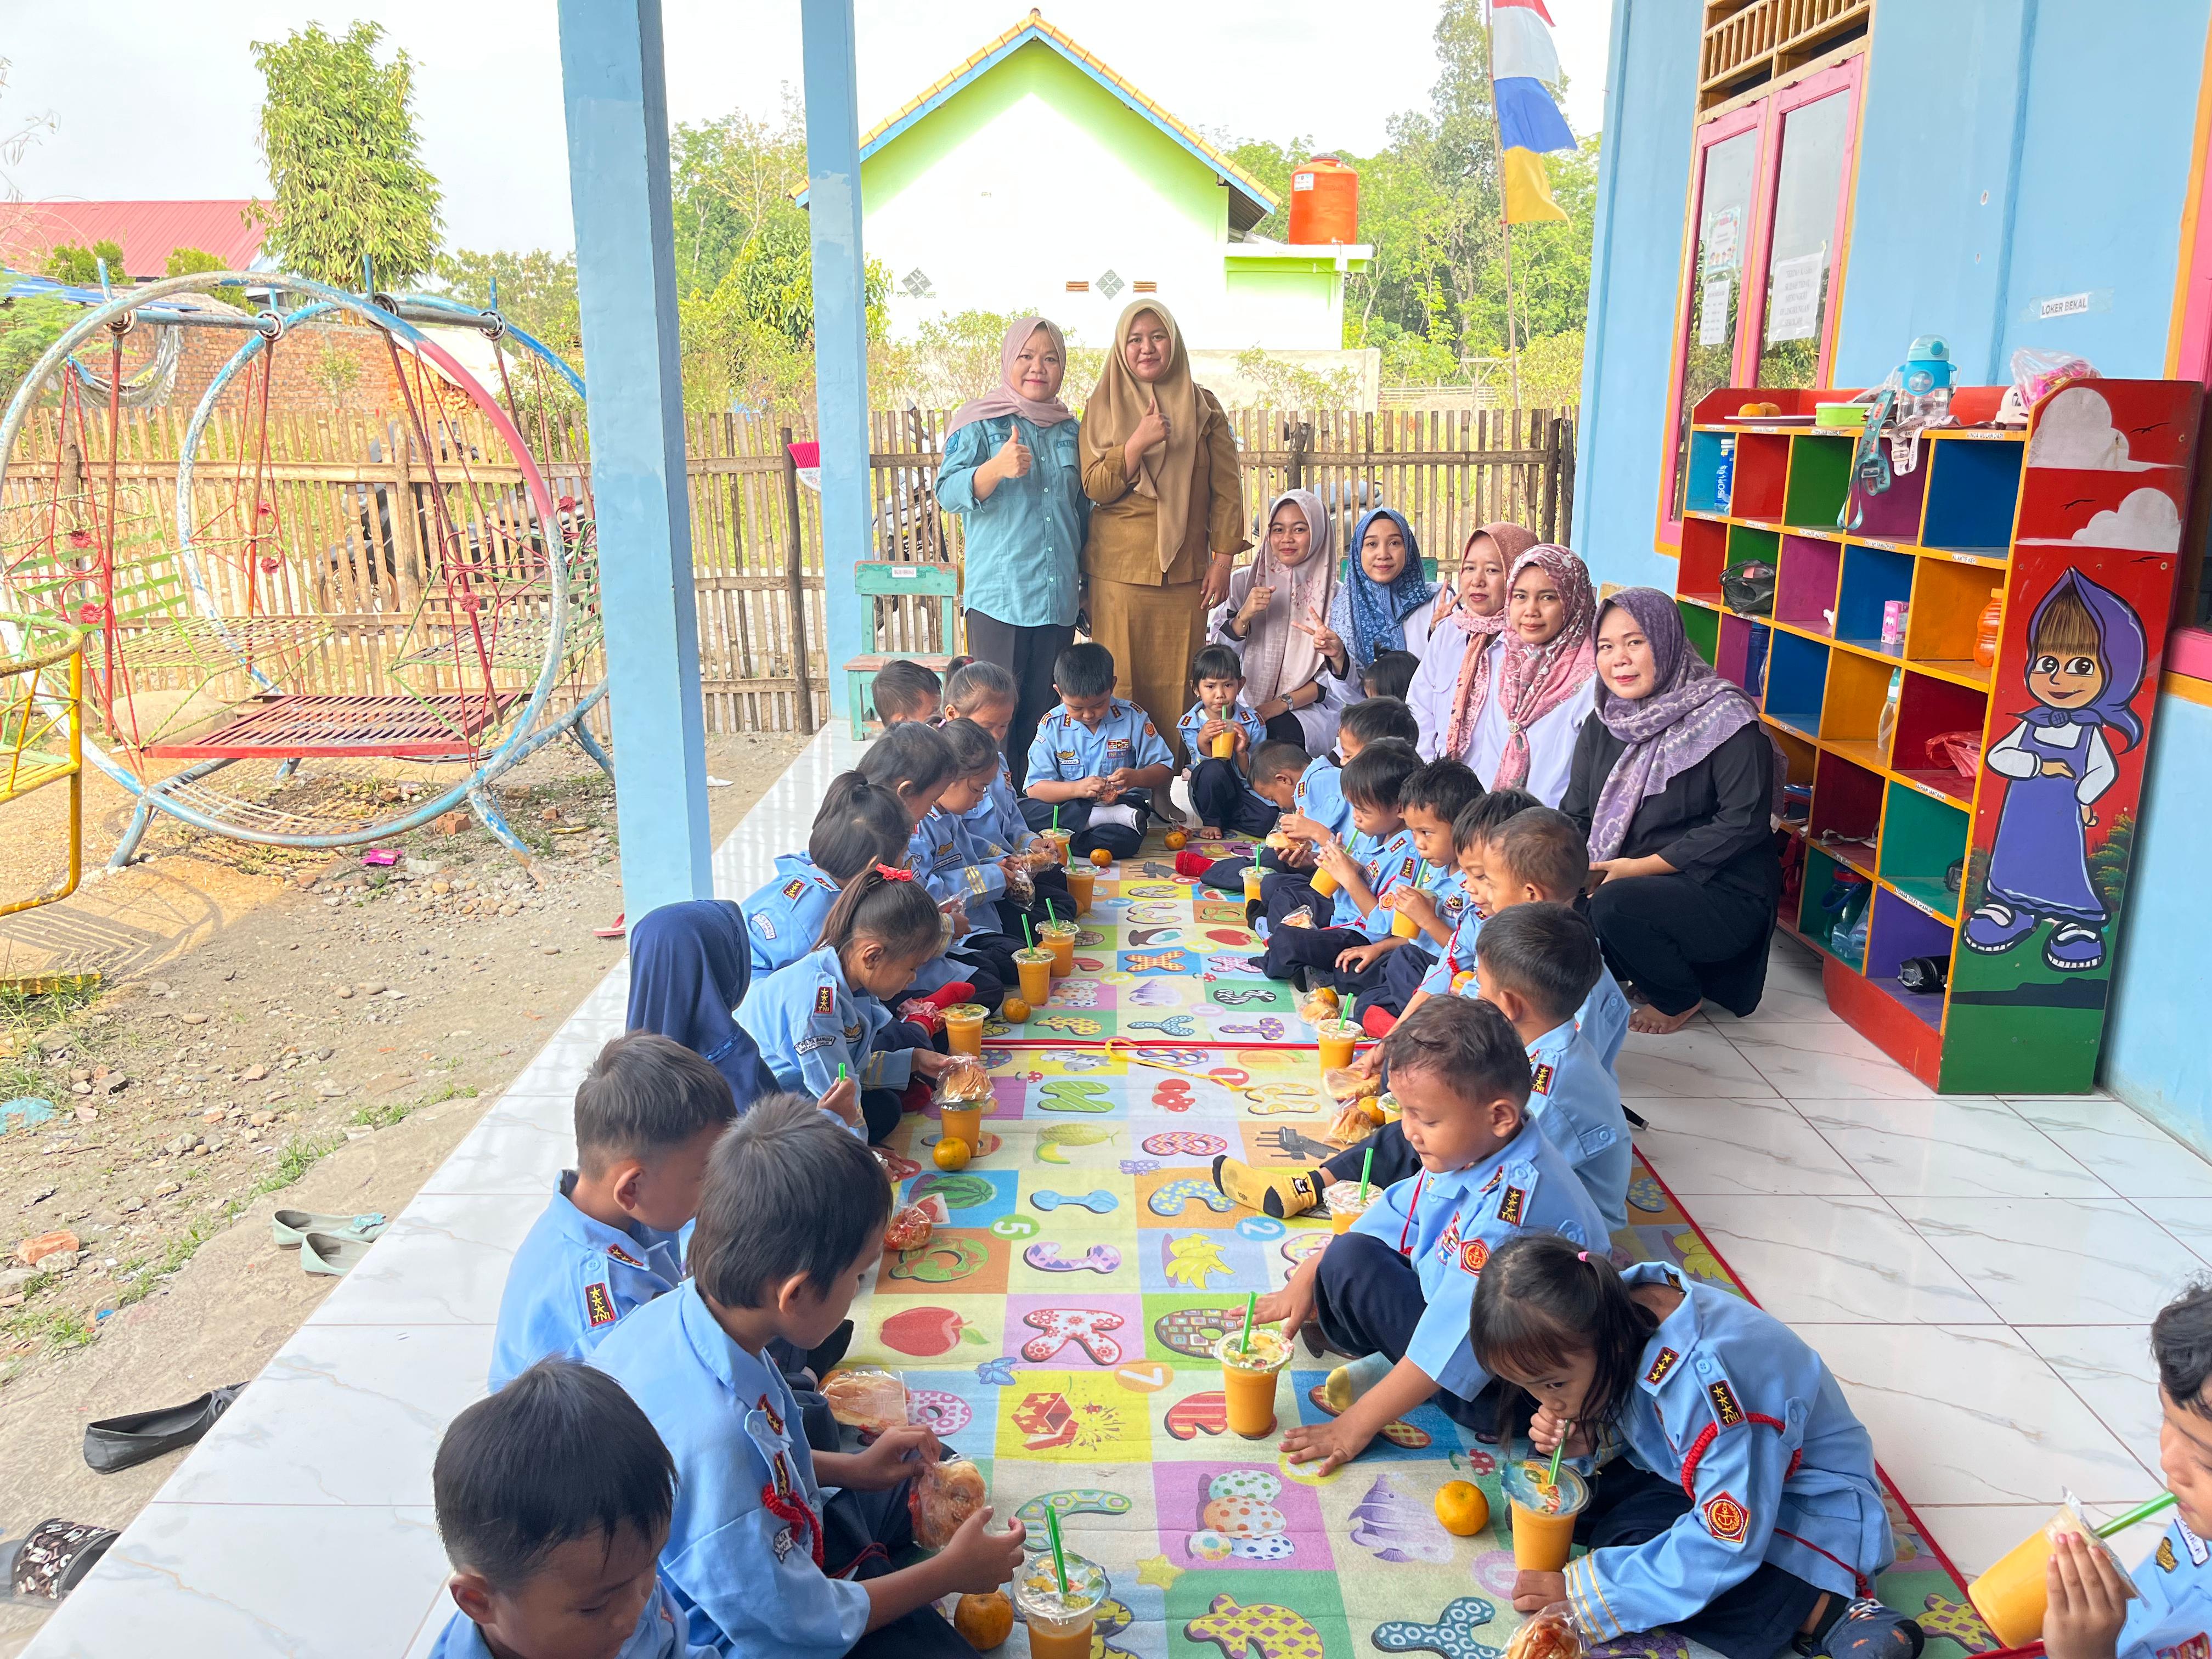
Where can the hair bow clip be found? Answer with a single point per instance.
(1582, 1255)
(890, 873)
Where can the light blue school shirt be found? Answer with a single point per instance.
(745, 1574)
(806, 1021)
(1458, 956)
(784, 918)
(1025, 540)
(1446, 1225)
(573, 1278)
(2173, 1617)
(1577, 1104)
(1066, 750)
(1603, 1017)
(1731, 1405)
(944, 856)
(995, 821)
(659, 1635)
(1253, 728)
(1385, 863)
(1320, 796)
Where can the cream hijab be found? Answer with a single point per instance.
(1120, 401)
(1278, 658)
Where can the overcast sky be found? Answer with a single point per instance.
(152, 101)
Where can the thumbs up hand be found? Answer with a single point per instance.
(1013, 459)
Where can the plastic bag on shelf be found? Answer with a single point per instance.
(2034, 372)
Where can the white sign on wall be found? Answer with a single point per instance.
(1793, 298)
(1713, 312)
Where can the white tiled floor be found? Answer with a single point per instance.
(1977, 1272)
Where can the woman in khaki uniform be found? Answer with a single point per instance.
(1167, 522)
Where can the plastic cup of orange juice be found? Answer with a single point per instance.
(1035, 967)
(962, 1121)
(1225, 745)
(1345, 1204)
(1248, 1379)
(1059, 938)
(1402, 925)
(1337, 1037)
(1082, 887)
(1060, 1621)
(963, 1027)
(1543, 1514)
(1059, 838)
(2011, 1596)
(1323, 883)
(1252, 873)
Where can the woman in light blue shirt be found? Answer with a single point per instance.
(1012, 471)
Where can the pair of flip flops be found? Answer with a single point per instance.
(333, 1245)
(42, 1567)
(123, 1442)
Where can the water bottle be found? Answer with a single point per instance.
(1724, 474)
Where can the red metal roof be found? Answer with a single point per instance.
(146, 231)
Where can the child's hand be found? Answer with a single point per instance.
(1214, 726)
(844, 1099)
(1290, 1308)
(930, 1063)
(1368, 1064)
(1297, 826)
(1092, 789)
(1330, 1444)
(1338, 862)
(976, 1562)
(1535, 1591)
(2087, 1601)
(1547, 1428)
(896, 1454)
(1409, 900)
(1360, 958)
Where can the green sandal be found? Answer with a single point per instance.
(289, 1227)
(331, 1253)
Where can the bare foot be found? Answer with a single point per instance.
(1649, 1021)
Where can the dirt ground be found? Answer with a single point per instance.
(270, 1030)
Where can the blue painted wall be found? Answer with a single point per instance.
(2011, 151)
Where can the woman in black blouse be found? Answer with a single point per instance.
(1674, 782)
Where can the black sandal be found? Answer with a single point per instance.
(124, 1442)
(52, 1561)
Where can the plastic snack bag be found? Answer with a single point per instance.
(940, 1498)
(865, 1398)
(1550, 1634)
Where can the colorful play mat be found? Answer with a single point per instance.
(1058, 1332)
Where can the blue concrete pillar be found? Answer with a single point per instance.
(615, 97)
(840, 325)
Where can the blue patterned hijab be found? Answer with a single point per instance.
(1379, 612)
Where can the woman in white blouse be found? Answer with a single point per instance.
(1459, 646)
(1276, 605)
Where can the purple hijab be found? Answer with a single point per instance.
(2120, 643)
(1690, 712)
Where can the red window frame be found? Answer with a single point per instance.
(1767, 117)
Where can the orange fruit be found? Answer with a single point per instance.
(984, 1620)
(952, 1153)
(1013, 1011)
(1100, 857)
(1461, 1508)
(1176, 840)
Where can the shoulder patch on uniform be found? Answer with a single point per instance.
(825, 999)
(1510, 1206)
(1148, 730)
(1540, 1080)
(1660, 1366)
(1408, 870)
(794, 887)
(1724, 1405)
(2168, 1561)
(623, 1256)
(1473, 1255)
(763, 927)
(600, 1306)
(1726, 1519)
(2191, 1542)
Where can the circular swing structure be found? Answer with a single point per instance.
(449, 621)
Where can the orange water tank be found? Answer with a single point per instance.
(1324, 202)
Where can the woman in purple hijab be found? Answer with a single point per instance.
(1674, 782)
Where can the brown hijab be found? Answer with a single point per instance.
(1120, 401)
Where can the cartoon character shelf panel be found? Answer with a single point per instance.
(1968, 814)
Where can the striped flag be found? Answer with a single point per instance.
(1523, 64)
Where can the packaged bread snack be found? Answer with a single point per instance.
(1319, 1006)
(909, 1228)
(963, 1081)
(1346, 1084)
(940, 1498)
(865, 1399)
(1550, 1634)
(1351, 1124)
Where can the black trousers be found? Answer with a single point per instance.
(881, 1110)
(1394, 1159)
(1225, 801)
(1680, 939)
(1397, 977)
(1285, 728)
(1367, 1299)
(863, 1536)
(1028, 654)
(1118, 839)
(1228, 874)
(1752, 1620)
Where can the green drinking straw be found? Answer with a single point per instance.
(1554, 1477)
(2120, 1523)
(1059, 1553)
(1028, 932)
(1056, 818)
(1251, 1303)
(1366, 1169)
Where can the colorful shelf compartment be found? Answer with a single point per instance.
(1872, 729)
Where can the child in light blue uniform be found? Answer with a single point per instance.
(761, 1565)
(1219, 792)
(915, 763)
(1319, 811)
(1734, 1496)
(553, 1500)
(1395, 1289)
(2089, 1613)
(984, 692)
(1539, 857)
(1336, 948)
(977, 886)
(825, 1011)
(647, 1113)
(859, 825)
(1535, 962)
(1432, 799)
(1096, 760)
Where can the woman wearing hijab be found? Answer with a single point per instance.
(1675, 782)
(1518, 728)
(689, 967)
(1011, 469)
(1167, 520)
(1454, 677)
(1382, 604)
(1292, 580)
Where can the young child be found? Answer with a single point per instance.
(965, 879)
(1217, 787)
(2089, 1613)
(1432, 799)
(1536, 964)
(1319, 809)
(763, 1568)
(647, 1113)
(1352, 919)
(984, 692)
(1734, 1500)
(821, 1021)
(1390, 675)
(553, 1499)
(1096, 761)
(1395, 1289)
(915, 763)
(904, 691)
(859, 825)
(1276, 767)
(1539, 857)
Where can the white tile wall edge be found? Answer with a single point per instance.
(301, 1525)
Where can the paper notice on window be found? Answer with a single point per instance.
(1793, 298)
(1721, 239)
(1713, 312)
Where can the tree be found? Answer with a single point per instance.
(537, 292)
(189, 261)
(79, 266)
(337, 132)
